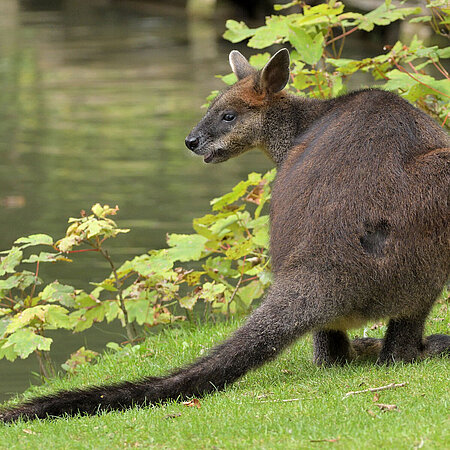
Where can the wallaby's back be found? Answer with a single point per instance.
(361, 205)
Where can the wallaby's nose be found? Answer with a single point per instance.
(191, 143)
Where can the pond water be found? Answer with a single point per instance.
(96, 99)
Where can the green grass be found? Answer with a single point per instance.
(249, 413)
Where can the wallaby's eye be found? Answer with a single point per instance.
(229, 117)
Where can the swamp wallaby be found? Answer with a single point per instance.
(359, 231)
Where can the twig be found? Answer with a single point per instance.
(381, 388)
(402, 69)
(236, 288)
(341, 36)
(285, 400)
(131, 330)
(35, 281)
(441, 69)
(84, 250)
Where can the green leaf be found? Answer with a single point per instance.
(26, 317)
(79, 358)
(61, 293)
(84, 319)
(45, 257)
(250, 292)
(19, 280)
(7, 351)
(188, 302)
(228, 79)
(186, 247)
(66, 244)
(108, 285)
(34, 239)
(420, 19)
(238, 191)
(263, 37)
(310, 49)
(259, 61)
(384, 15)
(443, 53)
(157, 263)
(278, 7)
(97, 209)
(239, 249)
(141, 309)
(112, 310)
(25, 341)
(57, 317)
(10, 261)
(210, 291)
(237, 31)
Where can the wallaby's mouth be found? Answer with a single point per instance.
(209, 156)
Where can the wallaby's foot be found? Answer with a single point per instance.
(331, 347)
(370, 348)
(367, 348)
(436, 345)
(403, 341)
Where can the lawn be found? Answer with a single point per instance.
(287, 404)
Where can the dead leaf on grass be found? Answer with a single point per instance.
(264, 395)
(193, 403)
(324, 440)
(385, 407)
(26, 430)
(371, 413)
(377, 325)
(376, 397)
(172, 416)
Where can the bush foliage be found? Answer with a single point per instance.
(223, 267)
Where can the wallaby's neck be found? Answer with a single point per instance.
(286, 120)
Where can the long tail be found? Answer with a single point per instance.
(265, 334)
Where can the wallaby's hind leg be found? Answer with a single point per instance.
(370, 348)
(403, 340)
(331, 347)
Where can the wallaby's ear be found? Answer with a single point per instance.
(239, 65)
(275, 74)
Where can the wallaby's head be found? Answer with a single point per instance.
(235, 120)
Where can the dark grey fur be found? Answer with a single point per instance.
(359, 231)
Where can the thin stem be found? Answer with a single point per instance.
(342, 43)
(402, 69)
(237, 287)
(131, 330)
(412, 67)
(318, 84)
(35, 280)
(441, 69)
(341, 36)
(84, 250)
(381, 73)
(46, 367)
